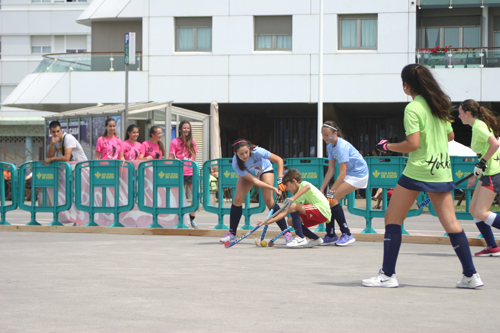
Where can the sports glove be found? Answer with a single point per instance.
(288, 202)
(382, 145)
(330, 196)
(480, 167)
(281, 186)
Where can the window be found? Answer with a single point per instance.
(76, 44)
(454, 36)
(0, 47)
(273, 33)
(55, 1)
(41, 44)
(193, 34)
(358, 32)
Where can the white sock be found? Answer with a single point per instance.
(491, 218)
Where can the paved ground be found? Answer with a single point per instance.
(78, 282)
(60, 282)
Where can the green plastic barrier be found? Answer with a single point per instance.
(104, 174)
(227, 179)
(13, 185)
(45, 177)
(461, 167)
(312, 169)
(168, 174)
(384, 173)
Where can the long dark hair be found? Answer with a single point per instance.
(333, 127)
(421, 82)
(482, 113)
(152, 131)
(237, 145)
(130, 128)
(188, 141)
(106, 124)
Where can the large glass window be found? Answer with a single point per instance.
(41, 44)
(357, 31)
(193, 33)
(454, 36)
(273, 33)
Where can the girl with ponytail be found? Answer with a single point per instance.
(428, 130)
(153, 149)
(109, 145)
(254, 167)
(485, 131)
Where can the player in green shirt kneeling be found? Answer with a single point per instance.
(308, 207)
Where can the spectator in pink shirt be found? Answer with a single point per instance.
(153, 149)
(184, 148)
(109, 144)
(130, 147)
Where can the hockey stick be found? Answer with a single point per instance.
(428, 200)
(229, 243)
(271, 242)
(263, 234)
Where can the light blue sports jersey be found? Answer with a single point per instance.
(344, 152)
(257, 163)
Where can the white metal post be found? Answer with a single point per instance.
(319, 144)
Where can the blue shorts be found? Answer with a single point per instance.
(491, 182)
(417, 185)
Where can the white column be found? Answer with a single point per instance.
(319, 143)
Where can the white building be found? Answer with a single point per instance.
(260, 61)
(28, 30)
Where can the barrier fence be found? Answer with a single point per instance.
(7, 170)
(157, 187)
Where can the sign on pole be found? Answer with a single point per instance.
(129, 48)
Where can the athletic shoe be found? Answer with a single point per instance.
(314, 242)
(489, 252)
(227, 237)
(345, 240)
(327, 240)
(297, 242)
(381, 280)
(194, 225)
(472, 282)
(288, 238)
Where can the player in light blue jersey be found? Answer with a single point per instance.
(353, 175)
(254, 168)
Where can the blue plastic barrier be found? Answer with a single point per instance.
(227, 179)
(104, 174)
(46, 177)
(4, 208)
(168, 174)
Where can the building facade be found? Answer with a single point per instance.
(260, 61)
(29, 29)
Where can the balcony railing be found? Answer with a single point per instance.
(459, 57)
(86, 62)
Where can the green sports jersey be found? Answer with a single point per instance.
(430, 162)
(316, 198)
(480, 145)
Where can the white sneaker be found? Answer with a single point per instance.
(297, 242)
(472, 282)
(228, 237)
(314, 242)
(381, 280)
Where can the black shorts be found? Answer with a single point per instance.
(188, 180)
(491, 182)
(417, 185)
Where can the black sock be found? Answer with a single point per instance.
(338, 214)
(234, 218)
(487, 233)
(297, 225)
(191, 217)
(281, 223)
(330, 227)
(392, 243)
(461, 246)
(308, 233)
